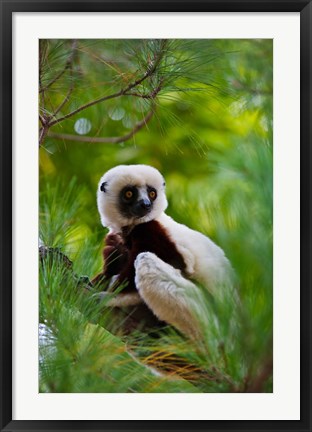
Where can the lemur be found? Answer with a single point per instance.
(160, 261)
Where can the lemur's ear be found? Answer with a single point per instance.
(103, 185)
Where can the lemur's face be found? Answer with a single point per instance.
(136, 201)
(130, 195)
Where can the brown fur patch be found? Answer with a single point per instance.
(148, 237)
(119, 255)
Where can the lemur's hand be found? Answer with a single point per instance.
(115, 255)
(114, 240)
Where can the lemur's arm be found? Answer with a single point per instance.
(118, 268)
(173, 298)
(115, 256)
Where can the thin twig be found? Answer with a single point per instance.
(151, 95)
(122, 92)
(126, 91)
(69, 92)
(87, 105)
(68, 64)
(43, 133)
(114, 140)
(139, 95)
(42, 120)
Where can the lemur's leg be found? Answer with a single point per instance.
(119, 300)
(167, 293)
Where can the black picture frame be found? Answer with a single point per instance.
(10, 7)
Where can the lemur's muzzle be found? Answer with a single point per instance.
(142, 207)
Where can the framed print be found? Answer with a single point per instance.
(155, 215)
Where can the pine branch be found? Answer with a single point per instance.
(67, 97)
(150, 71)
(48, 122)
(56, 254)
(114, 140)
(68, 64)
(42, 120)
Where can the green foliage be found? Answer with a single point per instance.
(81, 356)
(211, 137)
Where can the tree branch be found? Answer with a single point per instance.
(87, 105)
(43, 133)
(151, 95)
(150, 71)
(69, 92)
(114, 140)
(42, 120)
(49, 254)
(47, 122)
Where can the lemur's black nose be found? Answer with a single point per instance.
(145, 203)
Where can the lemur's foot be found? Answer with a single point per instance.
(118, 300)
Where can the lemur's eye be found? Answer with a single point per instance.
(128, 194)
(152, 194)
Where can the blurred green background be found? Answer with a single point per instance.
(200, 111)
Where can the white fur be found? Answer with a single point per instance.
(120, 300)
(167, 293)
(117, 178)
(172, 297)
(205, 261)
